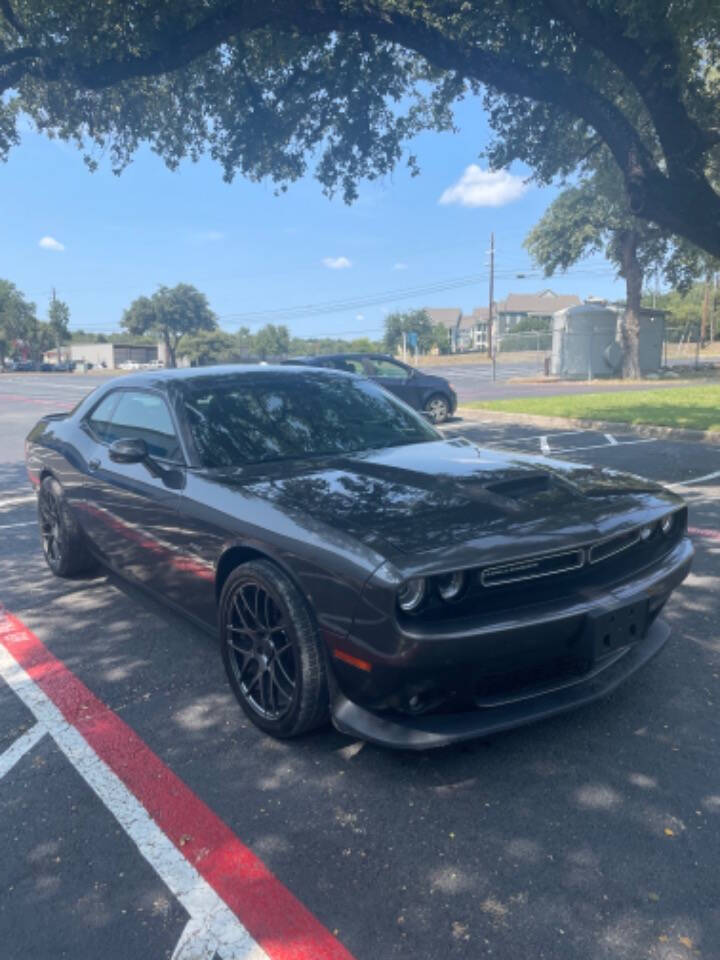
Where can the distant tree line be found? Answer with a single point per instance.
(692, 314)
(22, 334)
(417, 328)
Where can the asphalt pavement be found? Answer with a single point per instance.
(592, 836)
(474, 381)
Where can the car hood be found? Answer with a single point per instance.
(421, 498)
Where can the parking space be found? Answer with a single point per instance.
(592, 836)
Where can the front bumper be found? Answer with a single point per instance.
(440, 730)
(616, 631)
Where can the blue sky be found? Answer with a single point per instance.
(252, 252)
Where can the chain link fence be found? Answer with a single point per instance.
(590, 354)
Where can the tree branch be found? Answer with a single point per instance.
(652, 69)
(18, 54)
(9, 14)
(655, 194)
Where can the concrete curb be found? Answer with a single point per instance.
(473, 415)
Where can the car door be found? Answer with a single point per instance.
(132, 509)
(394, 377)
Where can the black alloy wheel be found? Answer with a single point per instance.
(63, 542)
(271, 651)
(50, 526)
(263, 655)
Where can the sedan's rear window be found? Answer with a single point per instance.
(255, 418)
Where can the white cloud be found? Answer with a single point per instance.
(336, 263)
(484, 188)
(359, 316)
(50, 243)
(400, 265)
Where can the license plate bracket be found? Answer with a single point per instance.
(619, 627)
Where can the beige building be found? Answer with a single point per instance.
(522, 306)
(112, 355)
(466, 331)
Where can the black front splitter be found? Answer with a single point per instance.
(404, 732)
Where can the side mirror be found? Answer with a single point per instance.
(128, 451)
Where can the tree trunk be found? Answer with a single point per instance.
(170, 348)
(705, 310)
(629, 321)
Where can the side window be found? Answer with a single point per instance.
(386, 368)
(145, 416)
(347, 365)
(99, 419)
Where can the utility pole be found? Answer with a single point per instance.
(492, 295)
(57, 332)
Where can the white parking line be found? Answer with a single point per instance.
(195, 943)
(604, 446)
(232, 941)
(16, 501)
(687, 483)
(27, 523)
(544, 442)
(19, 748)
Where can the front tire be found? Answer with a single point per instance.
(438, 408)
(271, 651)
(63, 542)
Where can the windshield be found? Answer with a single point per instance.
(255, 419)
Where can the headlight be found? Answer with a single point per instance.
(450, 585)
(666, 524)
(645, 533)
(411, 594)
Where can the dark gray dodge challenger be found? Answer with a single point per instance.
(358, 565)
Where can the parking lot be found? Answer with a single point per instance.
(474, 381)
(143, 816)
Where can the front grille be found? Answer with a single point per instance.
(550, 577)
(611, 546)
(532, 568)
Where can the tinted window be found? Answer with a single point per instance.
(145, 416)
(250, 419)
(99, 419)
(347, 365)
(386, 368)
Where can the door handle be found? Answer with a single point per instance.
(93, 464)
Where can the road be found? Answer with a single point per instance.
(473, 381)
(593, 836)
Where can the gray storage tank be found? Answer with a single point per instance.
(584, 341)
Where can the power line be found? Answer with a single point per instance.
(352, 303)
(346, 305)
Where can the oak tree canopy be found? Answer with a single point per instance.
(271, 87)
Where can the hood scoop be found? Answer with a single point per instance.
(519, 488)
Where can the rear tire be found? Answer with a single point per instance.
(271, 651)
(63, 542)
(438, 408)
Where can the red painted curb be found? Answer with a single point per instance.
(282, 926)
(704, 532)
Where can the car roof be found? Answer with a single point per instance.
(339, 356)
(171, 375)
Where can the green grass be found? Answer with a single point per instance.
(691, 408)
